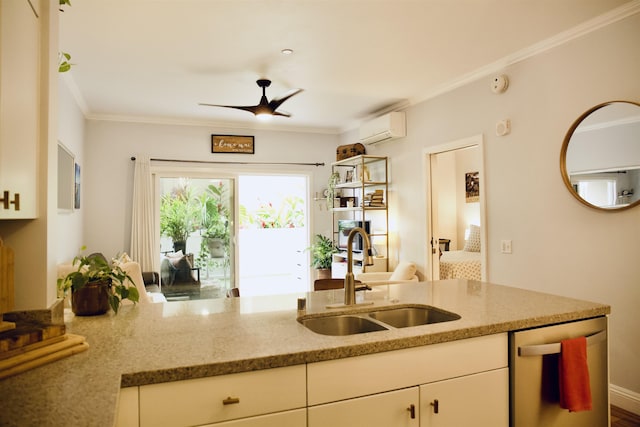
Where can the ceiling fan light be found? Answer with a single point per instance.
(264, 116)
(263, 112)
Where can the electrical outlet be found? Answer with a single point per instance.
(505, 246)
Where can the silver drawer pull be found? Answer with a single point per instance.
(231, 400)
(554, 348)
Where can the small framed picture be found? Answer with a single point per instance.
(472, 187)
(349, 176)
(232, 144)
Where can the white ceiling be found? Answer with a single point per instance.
(155, 60)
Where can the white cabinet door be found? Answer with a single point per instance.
(127, 413)
(295, 418)
(19, 108)
(394, 408)
(474, 400)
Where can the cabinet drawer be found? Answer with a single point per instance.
(394, 408)
(295, 418)
(340, 379)
(225, 397)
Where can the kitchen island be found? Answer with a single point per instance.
(173, 341)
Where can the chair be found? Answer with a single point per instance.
(325, 284)
(176, 276)
(405, 272)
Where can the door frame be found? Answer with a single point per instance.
(431, 203)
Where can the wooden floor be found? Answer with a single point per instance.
(622, 418)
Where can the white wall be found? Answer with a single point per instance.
(559, 245)
(108, 169)
(68, 230)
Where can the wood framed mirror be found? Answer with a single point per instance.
(600, 156)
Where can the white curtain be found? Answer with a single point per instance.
(144, 246)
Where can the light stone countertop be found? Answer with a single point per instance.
(151, 343)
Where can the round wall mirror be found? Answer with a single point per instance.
(600, 157)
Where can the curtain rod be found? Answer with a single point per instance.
(235, 163)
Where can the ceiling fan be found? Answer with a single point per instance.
(265, 107)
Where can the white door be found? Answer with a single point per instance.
(449, 212)
(473, 400)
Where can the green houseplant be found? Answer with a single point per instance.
(214, 222)
(178, 216)
(96, 285)
(322, 255)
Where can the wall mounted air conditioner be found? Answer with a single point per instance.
(383, 128)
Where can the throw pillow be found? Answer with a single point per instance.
(404, 271)
(473, 242)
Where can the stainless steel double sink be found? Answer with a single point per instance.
(378, 319)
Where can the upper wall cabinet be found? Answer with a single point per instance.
(19, 107)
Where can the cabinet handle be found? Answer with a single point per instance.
(435, 405)
(6, 201)
(231, 400)
(412, 411)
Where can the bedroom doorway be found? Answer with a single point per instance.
(456, 233)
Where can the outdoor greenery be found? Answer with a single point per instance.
(289, 214)
(178, 214)
(97, 269)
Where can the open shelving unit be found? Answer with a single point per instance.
(362, 195)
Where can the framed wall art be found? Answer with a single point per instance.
(232, 144)
(472, 187)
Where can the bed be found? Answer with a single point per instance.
(460, 265)
(464, 264)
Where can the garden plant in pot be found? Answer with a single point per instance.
(214, 223)
(96, 285)
(322, 255)
(178, 213)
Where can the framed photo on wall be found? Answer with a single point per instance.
(76, 188)
(472, 187)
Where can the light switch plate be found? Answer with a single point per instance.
(505, 246)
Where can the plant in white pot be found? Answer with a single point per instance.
(96, 285)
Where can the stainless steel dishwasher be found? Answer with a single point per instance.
(534, 357)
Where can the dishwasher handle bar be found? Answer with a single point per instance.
(554, 348)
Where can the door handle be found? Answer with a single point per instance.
(554, 348)
(436, 406)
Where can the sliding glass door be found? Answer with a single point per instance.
(197, 222)
(273, 234)
(245, 231)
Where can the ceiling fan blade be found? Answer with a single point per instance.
(276, 102)
(251, 109)
(281, 113)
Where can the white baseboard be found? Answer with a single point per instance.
(625, 399)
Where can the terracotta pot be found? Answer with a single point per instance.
(324, 273)
(91, 299)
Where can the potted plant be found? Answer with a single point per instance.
(214, 223)
(178, 216)
(96, 285)
(322, 255)
(334, 179)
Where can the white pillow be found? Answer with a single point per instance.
(473, 242)
(404, 271)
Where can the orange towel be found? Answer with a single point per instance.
(575, 391)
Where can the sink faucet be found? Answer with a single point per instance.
(349, 282)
